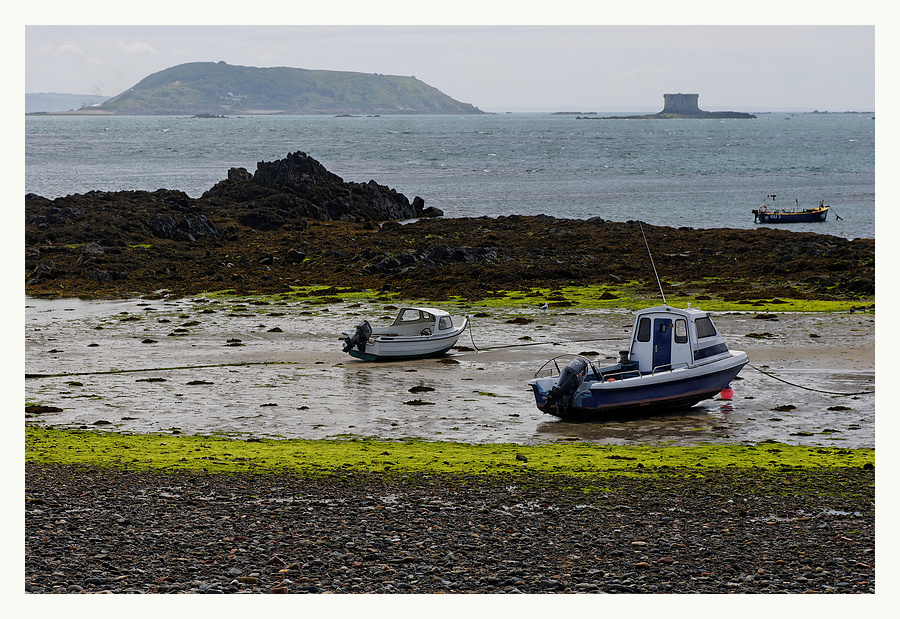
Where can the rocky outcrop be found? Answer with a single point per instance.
(281, 192)
(280, 195)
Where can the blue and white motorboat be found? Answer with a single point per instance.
(416, 333)
(677, 358)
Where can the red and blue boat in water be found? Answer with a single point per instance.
(768, 214)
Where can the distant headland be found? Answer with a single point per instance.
(213, 89)
(677, 106)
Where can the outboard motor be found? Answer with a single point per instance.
(359, 339)
(569, 380)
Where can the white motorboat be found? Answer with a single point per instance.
(416, 332)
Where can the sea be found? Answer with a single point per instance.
(707, 173)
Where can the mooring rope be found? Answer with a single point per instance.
(180, 367)
(769, 374)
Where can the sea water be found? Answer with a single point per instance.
(705, 173)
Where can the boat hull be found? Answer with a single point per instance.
(679, 388)
(399, 355)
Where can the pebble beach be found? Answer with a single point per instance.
(103, 530)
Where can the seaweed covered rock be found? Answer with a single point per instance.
(298, 186)
(280, 195)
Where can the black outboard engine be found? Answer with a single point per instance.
(569, 380)
(359, 339)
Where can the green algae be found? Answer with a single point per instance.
(627, 295)
(634, 295)
(218, 454)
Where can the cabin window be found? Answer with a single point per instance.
(408, 315)
(705, 327)
(445, 323)
(643, 332)
(681, 331)
(413, 315)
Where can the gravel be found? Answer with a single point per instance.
(92, 530)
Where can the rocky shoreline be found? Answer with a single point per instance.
(292, 223)
(93, 530)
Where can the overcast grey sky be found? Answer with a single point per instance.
(497, 68)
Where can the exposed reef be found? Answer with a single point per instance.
(294, 223)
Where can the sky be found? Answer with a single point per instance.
(498, 67)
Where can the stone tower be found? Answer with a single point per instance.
(681, 104)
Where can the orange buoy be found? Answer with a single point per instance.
(727, 393)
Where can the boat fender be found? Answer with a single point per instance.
(727, 393)
(610, 380)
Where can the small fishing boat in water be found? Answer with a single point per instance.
(767, 214)
(677, 358)
(416, 332)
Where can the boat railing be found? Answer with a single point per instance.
(668, 367)
(623, 375)
(553, 364)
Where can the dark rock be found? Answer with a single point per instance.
(295, 255)
(198, 226)
(44, 268)
(163, 227)
(40, 409)
(240, 175)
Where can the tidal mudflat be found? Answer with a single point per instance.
(264, 368)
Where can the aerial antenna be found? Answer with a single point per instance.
(651, 263)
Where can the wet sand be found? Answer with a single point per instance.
(174, 366)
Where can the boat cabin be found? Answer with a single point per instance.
(418, 321)
(665, 338)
